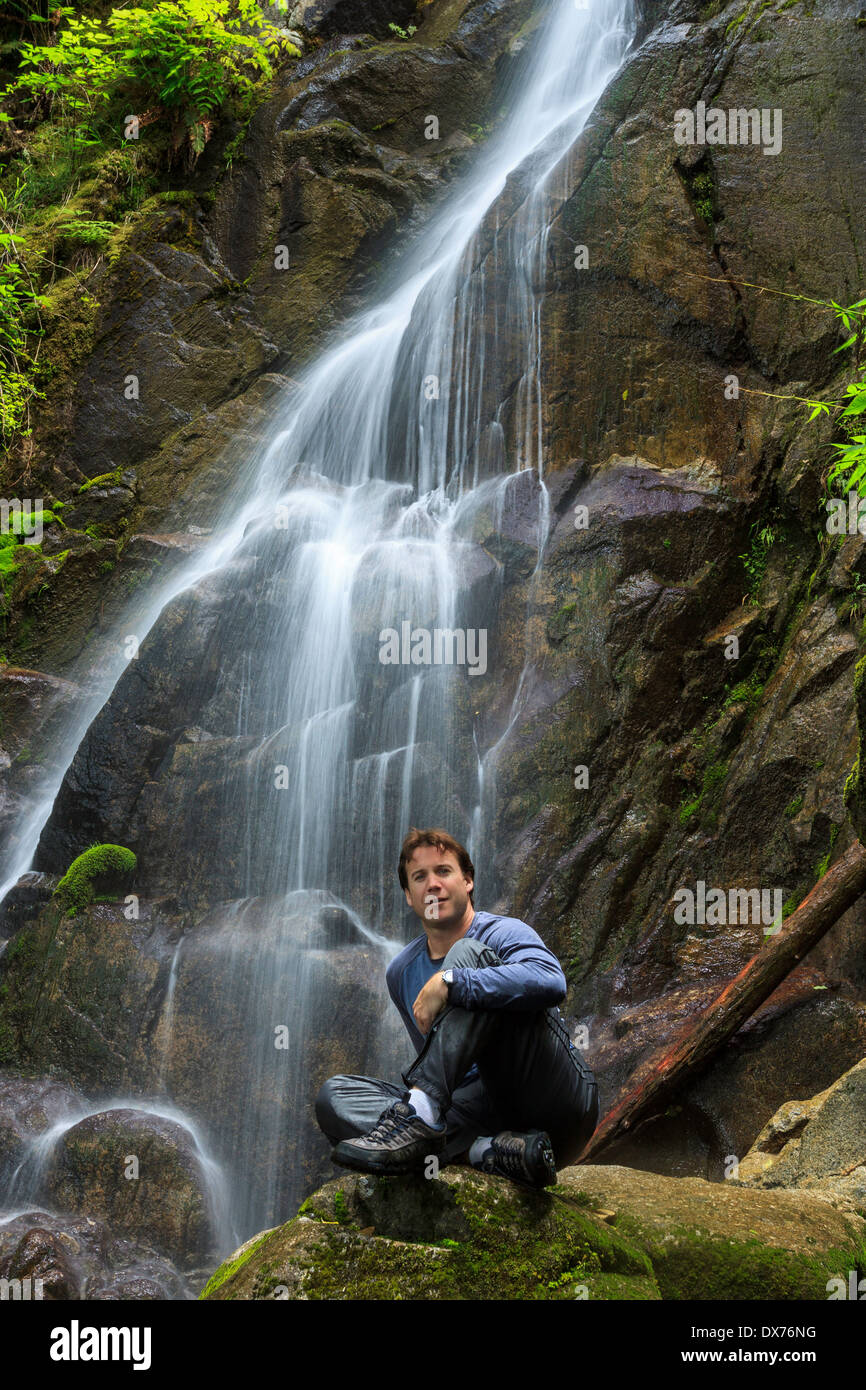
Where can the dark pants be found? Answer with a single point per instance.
(530, 1076)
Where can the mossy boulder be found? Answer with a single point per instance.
(102, 867)
(606, 1233)
(462, 1235)
(141, 1174)
(718, 1241)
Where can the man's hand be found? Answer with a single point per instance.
(430, 1001)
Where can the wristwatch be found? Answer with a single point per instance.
(448, 977)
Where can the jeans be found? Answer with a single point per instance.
(531, 1077)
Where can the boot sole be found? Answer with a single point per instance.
(546, 1166)
(382, 1169)
(358, 1164)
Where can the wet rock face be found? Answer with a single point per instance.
(40, 1258)
(27, 1108)
(328, 17)
(334, 168)
(97, 1025)
(33, 708)
(670, 261)
(61, 1257)
(177, 287)
(25, 900)
(138, 1173)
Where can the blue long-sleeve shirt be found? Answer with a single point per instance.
(530, 977)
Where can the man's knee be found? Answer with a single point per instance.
(471, 954)
(350, 1105)
(326, 1101)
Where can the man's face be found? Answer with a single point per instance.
(438, 893)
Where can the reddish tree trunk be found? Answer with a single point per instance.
(661, 1074)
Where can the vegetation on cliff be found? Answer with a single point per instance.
(93, 119)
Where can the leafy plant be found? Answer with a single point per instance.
(18, 301)
(87, 232)
(853, 605)
(403, 33)
(704, 193)
(755, 561)
(181, 60)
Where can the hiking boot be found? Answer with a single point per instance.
(524, 1158)
(400, 1142)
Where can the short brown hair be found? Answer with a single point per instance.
(441, 840)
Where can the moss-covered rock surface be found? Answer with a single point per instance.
(101, 865)
(603, 1232)
(461, 1235)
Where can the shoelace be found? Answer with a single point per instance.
(394, 1120)
(508, 1154)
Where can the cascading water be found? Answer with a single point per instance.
(359, 517)
(25, 1184)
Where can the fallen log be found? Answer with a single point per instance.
(671, 1065)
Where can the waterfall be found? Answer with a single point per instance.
(360, 516)
(25, 1191)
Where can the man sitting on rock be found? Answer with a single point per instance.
(497, 1082)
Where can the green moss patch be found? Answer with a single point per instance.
(76, 889)
(230, 1268)
(692, 1264)
(112, 479)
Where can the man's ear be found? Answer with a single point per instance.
(408, 896)
(470, 884)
